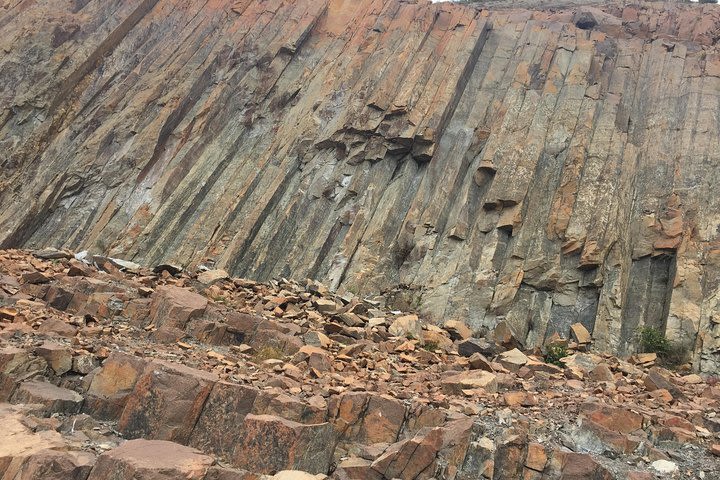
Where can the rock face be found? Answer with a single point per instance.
(558, 162)
(362, 404)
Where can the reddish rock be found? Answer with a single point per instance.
(111, 385)
(52, 399)
(34, 278)
(655, 380)
(601, 373)
(469, 380)
(536, 457)
(457, 330)
(58, 356)
(290, 407)
(578, 466)
(227, 405)
(223, 473)
(171, 310)
(55, 326)
(40, 455)
(477, 361)
(15, 365)
(53, 465)
(616, 419)
(367, 418)
(151, 460)
(265, 338)
(269, 444)
(611, 440)
(356, 469)
(166, 402)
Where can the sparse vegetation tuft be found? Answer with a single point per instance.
(653, 340)
(670, 354)
(555, 353)
(268, 353)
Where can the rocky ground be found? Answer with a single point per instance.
(109, 370)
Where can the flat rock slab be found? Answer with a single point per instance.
(27, 455)
(151, 460)
(52, 398)
(472, 379)
(166, 402)
(15, 365)
(270, 444)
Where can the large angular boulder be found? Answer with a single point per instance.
(53, 465)
(151, 460)
(406, 326)
(42, 455)
(367, 418)
(269, 444)
(111, 385)
(51, 398)
(415, 457)
(216, 430)
(58, 356)
(166, 402)
(171, 310)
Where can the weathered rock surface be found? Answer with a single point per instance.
(356, 402)
(482, 163)
(151, 460)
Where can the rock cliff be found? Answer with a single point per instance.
(542, 167)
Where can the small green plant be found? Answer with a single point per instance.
(555, 353)
(653, 340)
(431, 346)
(670, 354)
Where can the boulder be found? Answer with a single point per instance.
(580, 333)
(470, 346)
(268, 444)
(457, 330)
(470, 380)
(52, 399)
(172, 308)
(58, 356)
(406, 326)
(111, 385)
(366, 418)
(211, 276)
(151, 460)
(17, 364)
(166, 402)
(227, 405)
(513, 359)
(42, 455)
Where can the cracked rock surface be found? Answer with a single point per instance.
(287, 380)
(538, 163)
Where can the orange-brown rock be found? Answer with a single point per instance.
(269, 444)
(51, 398)
(171, 310)
(166, 402)
(217, 428)
(151, 460)
(367, 418)
(111, 385)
